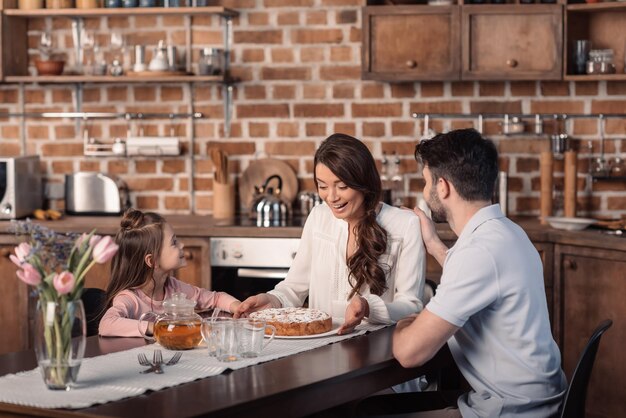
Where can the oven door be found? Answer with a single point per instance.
(243, 282)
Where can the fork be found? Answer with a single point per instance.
(174, 358)
(157, 359)
(143, 360)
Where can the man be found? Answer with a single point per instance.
(490, 306)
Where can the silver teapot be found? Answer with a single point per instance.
(268, 208)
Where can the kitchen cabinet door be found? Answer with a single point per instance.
(14, 306)
(590, 286)
(546, 253)
(512, 42)
(403, 43)
(198, 269)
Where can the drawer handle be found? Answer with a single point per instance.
(188, 255)
(570, 264)
(511, 63)
(411, 63)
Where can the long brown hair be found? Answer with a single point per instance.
(351, 161)
(140, 234)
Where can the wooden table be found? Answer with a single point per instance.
(293, 386)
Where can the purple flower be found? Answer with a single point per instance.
(64, 282)
(21, 252)
(29, 275)
(104, 250)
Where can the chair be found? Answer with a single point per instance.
(575, 397)
(93, 300)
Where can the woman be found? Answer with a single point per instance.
(358, 258)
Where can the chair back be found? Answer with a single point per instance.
(574, 403)
(93, 300)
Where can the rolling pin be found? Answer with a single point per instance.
(546, 163)
(569, 190)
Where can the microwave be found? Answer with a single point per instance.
(20, 186)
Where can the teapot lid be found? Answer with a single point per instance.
(178, 304)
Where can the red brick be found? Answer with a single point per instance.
(282, 55)
(9, 132)
(341, 54)
(287, 129)
(288, 18)
(462, 88)
(342, 2)
(346, 16)
(117, 93)
(436, 107)
(61, 149)
(62, 167)
(314, 54)
(328, 110)
(288, 3)
(34, 96)
(258, 37)
(608, 106)
(496, 107)
(254, 92)
(376, 110)
(617, 88)
(290, 148)
(9, 149)
(145, 166)
(316, 36)
(234, 148)
(90, 165)
(285, 73)
(587, 88)
(345, 127)
(431, 89)
(491, 88)
(177, 202)
(258, 18)
(282, 92)
(340, 73)
(174, 166)
(557, 106)
(584, 127)
(117, 167)
(374, 129)
(615, 127)
(314, 91)
(524, 145)
(402, 90)
(316, 17)
(258, 130)
(526, 165)
(8, 96)
(262, 111)
(61, 96)
(171, 93)
(372, 91)
(253, 55)
(315, 129)
(148, 202)
(403, 128)
(523, 88)
(554, 88)
(144, 94)
(343, 91)
(150, 183)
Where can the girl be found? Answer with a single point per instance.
(358, 257)
(141, 275)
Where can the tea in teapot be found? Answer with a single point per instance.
(178, 327)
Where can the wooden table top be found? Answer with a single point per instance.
(293, 386)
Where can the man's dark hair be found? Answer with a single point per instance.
(465, 159)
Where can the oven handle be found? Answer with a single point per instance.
(263, 273)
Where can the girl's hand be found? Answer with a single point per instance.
(358, 308)
(256, 303)
(234, 306)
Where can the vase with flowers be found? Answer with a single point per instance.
(55, 265)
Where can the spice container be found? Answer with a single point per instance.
(600, 62)
(211, 61)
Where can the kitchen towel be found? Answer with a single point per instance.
(116, 376)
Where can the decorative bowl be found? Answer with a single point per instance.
(49, 67)
(569, 224)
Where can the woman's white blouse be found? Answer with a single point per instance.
(320, 272)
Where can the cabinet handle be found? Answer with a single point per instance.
(5, 252)
(188, 255)
(570, 264)
(411, 63)
(511, 63)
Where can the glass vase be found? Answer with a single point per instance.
(59, 340)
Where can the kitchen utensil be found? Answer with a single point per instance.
(268, 208)
(569, 189)
(220, 162)
(546, 164)
(157, 359)
(159, 58)
(175, 358)
(95, 194)
(253, 337)
(581, 55)
(261, 169)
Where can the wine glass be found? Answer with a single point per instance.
(88, 45)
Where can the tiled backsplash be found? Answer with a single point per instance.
(299, 65)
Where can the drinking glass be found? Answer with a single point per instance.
(87, 44)
(253, 333)
(223, 337)
(45, 45)
(581, 55)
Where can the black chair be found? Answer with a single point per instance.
(93, 300)
(574, 403)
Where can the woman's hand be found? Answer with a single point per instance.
(256, 303)
(358, 308)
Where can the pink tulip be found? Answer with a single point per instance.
(29, 275)
(21, 252)
(94, 240)
(104, 250)
(64, 282)
(80, 240)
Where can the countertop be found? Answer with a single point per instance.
(205, 226)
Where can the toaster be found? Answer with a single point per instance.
(95, 194)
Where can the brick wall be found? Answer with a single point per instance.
(299, 62)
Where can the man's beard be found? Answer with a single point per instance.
(438, 212)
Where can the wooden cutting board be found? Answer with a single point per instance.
(258, 171)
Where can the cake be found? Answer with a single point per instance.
(295, 321)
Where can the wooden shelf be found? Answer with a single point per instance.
(596, 77)
(65, 79)
(608, 178)
(121, 11)
(597, 7)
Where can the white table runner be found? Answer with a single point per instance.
(116, 376)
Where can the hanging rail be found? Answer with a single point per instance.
(519, 115)
(104, 115)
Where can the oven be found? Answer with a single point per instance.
(244, 267)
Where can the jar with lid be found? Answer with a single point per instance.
(600, 62)
(211, 61)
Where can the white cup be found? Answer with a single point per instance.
(253, 332)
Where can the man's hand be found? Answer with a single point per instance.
(433, 244)
(357, 309)
(256, 303)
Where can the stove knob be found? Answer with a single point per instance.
(6, 209)
(237, 254)
(293, 255)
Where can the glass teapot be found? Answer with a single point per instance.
(178, 327)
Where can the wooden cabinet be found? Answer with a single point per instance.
(601, 23)
(14, 306)
(528, 46)
(411, 43)
(590, 286)
(546, 253)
